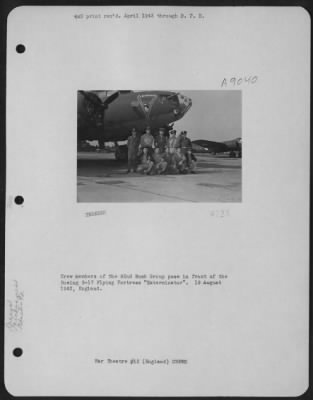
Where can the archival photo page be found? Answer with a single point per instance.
(159, 146)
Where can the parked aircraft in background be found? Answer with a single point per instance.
(208, 146)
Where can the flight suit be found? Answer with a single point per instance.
(178, 141)
(159, 163)
(147, 140)
(179, 162)
(161, 142)
(146, 164)
(191, 161)
(186, 147)
(185, 144)
(132, 145)
(172, 144)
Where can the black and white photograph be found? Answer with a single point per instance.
(159, 146)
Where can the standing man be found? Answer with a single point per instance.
(147, 141)
(185, 143)
(186, 147)
(172, 142)
(133, 145)
(170, 154)
(179, 161)
(179, 139)
(161, 141)
(192, 161)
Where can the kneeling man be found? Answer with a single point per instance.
(146, 164)
(160, 163)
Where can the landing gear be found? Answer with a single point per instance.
(235, 154)
(121, 152)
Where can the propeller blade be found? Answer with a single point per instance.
(93, 98)
(110, 99)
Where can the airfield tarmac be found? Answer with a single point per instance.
(100, 178)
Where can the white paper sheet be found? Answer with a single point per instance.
(244, 335)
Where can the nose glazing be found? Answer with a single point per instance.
(184, 102)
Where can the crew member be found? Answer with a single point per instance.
(179, 161)
(133, 145)
(178, 140)
(191, 161)
(146, 164)
(186, 149)
(147, 141)
(160, 163)
(161, 141)
(172, 142)
(185, 143)
(170, 159)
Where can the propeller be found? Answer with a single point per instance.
(95, 107)
(110, 99)
(94, 99)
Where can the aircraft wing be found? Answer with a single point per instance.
(211, 146)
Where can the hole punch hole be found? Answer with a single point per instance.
(20, 48)
(19, 200)
(17, 352)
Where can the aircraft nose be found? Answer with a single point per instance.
(184, 102)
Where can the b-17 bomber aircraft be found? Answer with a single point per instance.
(208, 146)
(109, 116)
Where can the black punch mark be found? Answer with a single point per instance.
(17, 352)
(20, 48)
(19, 200)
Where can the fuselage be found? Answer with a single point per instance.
(104, 119)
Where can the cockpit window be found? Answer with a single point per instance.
(147, 98)
(170, 98)
(163, 98)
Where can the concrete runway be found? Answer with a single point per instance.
(100, 178)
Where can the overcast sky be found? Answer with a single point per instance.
(214, 115)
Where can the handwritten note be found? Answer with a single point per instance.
(239, 81)
(15, 315)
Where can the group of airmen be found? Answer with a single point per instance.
(160, 154)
